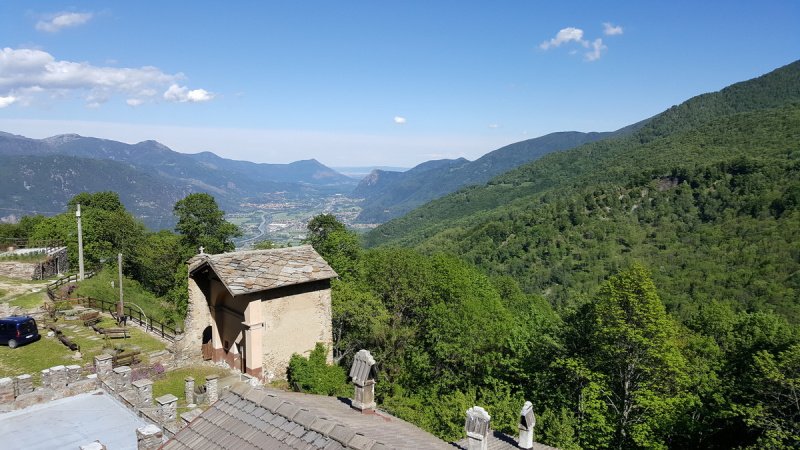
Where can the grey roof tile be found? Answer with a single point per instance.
(260, 270)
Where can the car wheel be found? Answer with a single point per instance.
(12, 343)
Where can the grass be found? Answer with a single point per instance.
(33, 257)
(17, 281)
(48, 352)
(173, 381)
(34, 357)
(3, 293)
(29, 301)
(100, 287)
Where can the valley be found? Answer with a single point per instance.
(284, 221)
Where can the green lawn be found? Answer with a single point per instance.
(49, 352)
(174, 380)
(134, 295)
(29, 301)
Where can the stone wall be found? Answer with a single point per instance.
(18, 270)
(57, 263)
(56, 382)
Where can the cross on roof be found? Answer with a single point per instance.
(201, 250)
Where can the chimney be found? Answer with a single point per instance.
(527, 420)
(477, 426)
(363, 375)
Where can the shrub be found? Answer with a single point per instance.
(315, 376)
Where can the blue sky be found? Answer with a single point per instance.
(368, 82)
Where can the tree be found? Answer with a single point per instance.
(340, 247)
(634, 351)
(202, 224)
(108, 229)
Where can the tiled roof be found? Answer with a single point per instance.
(260, 270)
(260, 418)
(501, 441)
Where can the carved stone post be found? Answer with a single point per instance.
(212, 392)
(144, 392)
(122, 378)
(188, 390)
(23, 384)
(167, 408)
(477, 426)
(73, 373)
(103, 365)
(58, 377)
(148, 437)
(527, 421)
(363, 375)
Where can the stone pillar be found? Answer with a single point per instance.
(527, 421)
(144, 392)
(23, 384)
(167, 408)
(122, 378)
(212, 393)
(477, 426)
(188, 390)
(363, 377)
(58, 377)
(253, 339)
(149, 437)
(45, 378)
(6, 391)
(73, 373)
(103, 365)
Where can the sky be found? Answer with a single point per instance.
(363, 83)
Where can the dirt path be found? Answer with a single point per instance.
(12, 288)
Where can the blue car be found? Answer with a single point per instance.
(18, 330)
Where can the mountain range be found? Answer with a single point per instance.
(41, 175)
(390, 194)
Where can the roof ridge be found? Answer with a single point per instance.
(329, 428)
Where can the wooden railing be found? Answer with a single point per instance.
(149, 325)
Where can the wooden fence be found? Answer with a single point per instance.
(150, 325)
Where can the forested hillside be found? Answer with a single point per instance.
(388, 195)
(706, 194)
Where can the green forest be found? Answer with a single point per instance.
(666, 261)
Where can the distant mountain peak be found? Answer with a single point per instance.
(154, 143)
(62, 139)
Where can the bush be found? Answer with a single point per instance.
(313, 375)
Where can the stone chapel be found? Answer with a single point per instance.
(254, 309)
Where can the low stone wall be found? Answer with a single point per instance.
(65, 381)
(56, 382)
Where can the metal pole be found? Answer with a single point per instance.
(80, 243)
(120, 310)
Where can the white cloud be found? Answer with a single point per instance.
(182, 94)
(27, 74)
(571, 34)
(399, 120)
(611, 30)
(6, 101)
(565, 35)
(597, 48)
(57, 22)
(494, 126)
(134, 102)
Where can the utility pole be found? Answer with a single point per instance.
(80, 243)
(120, 305)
